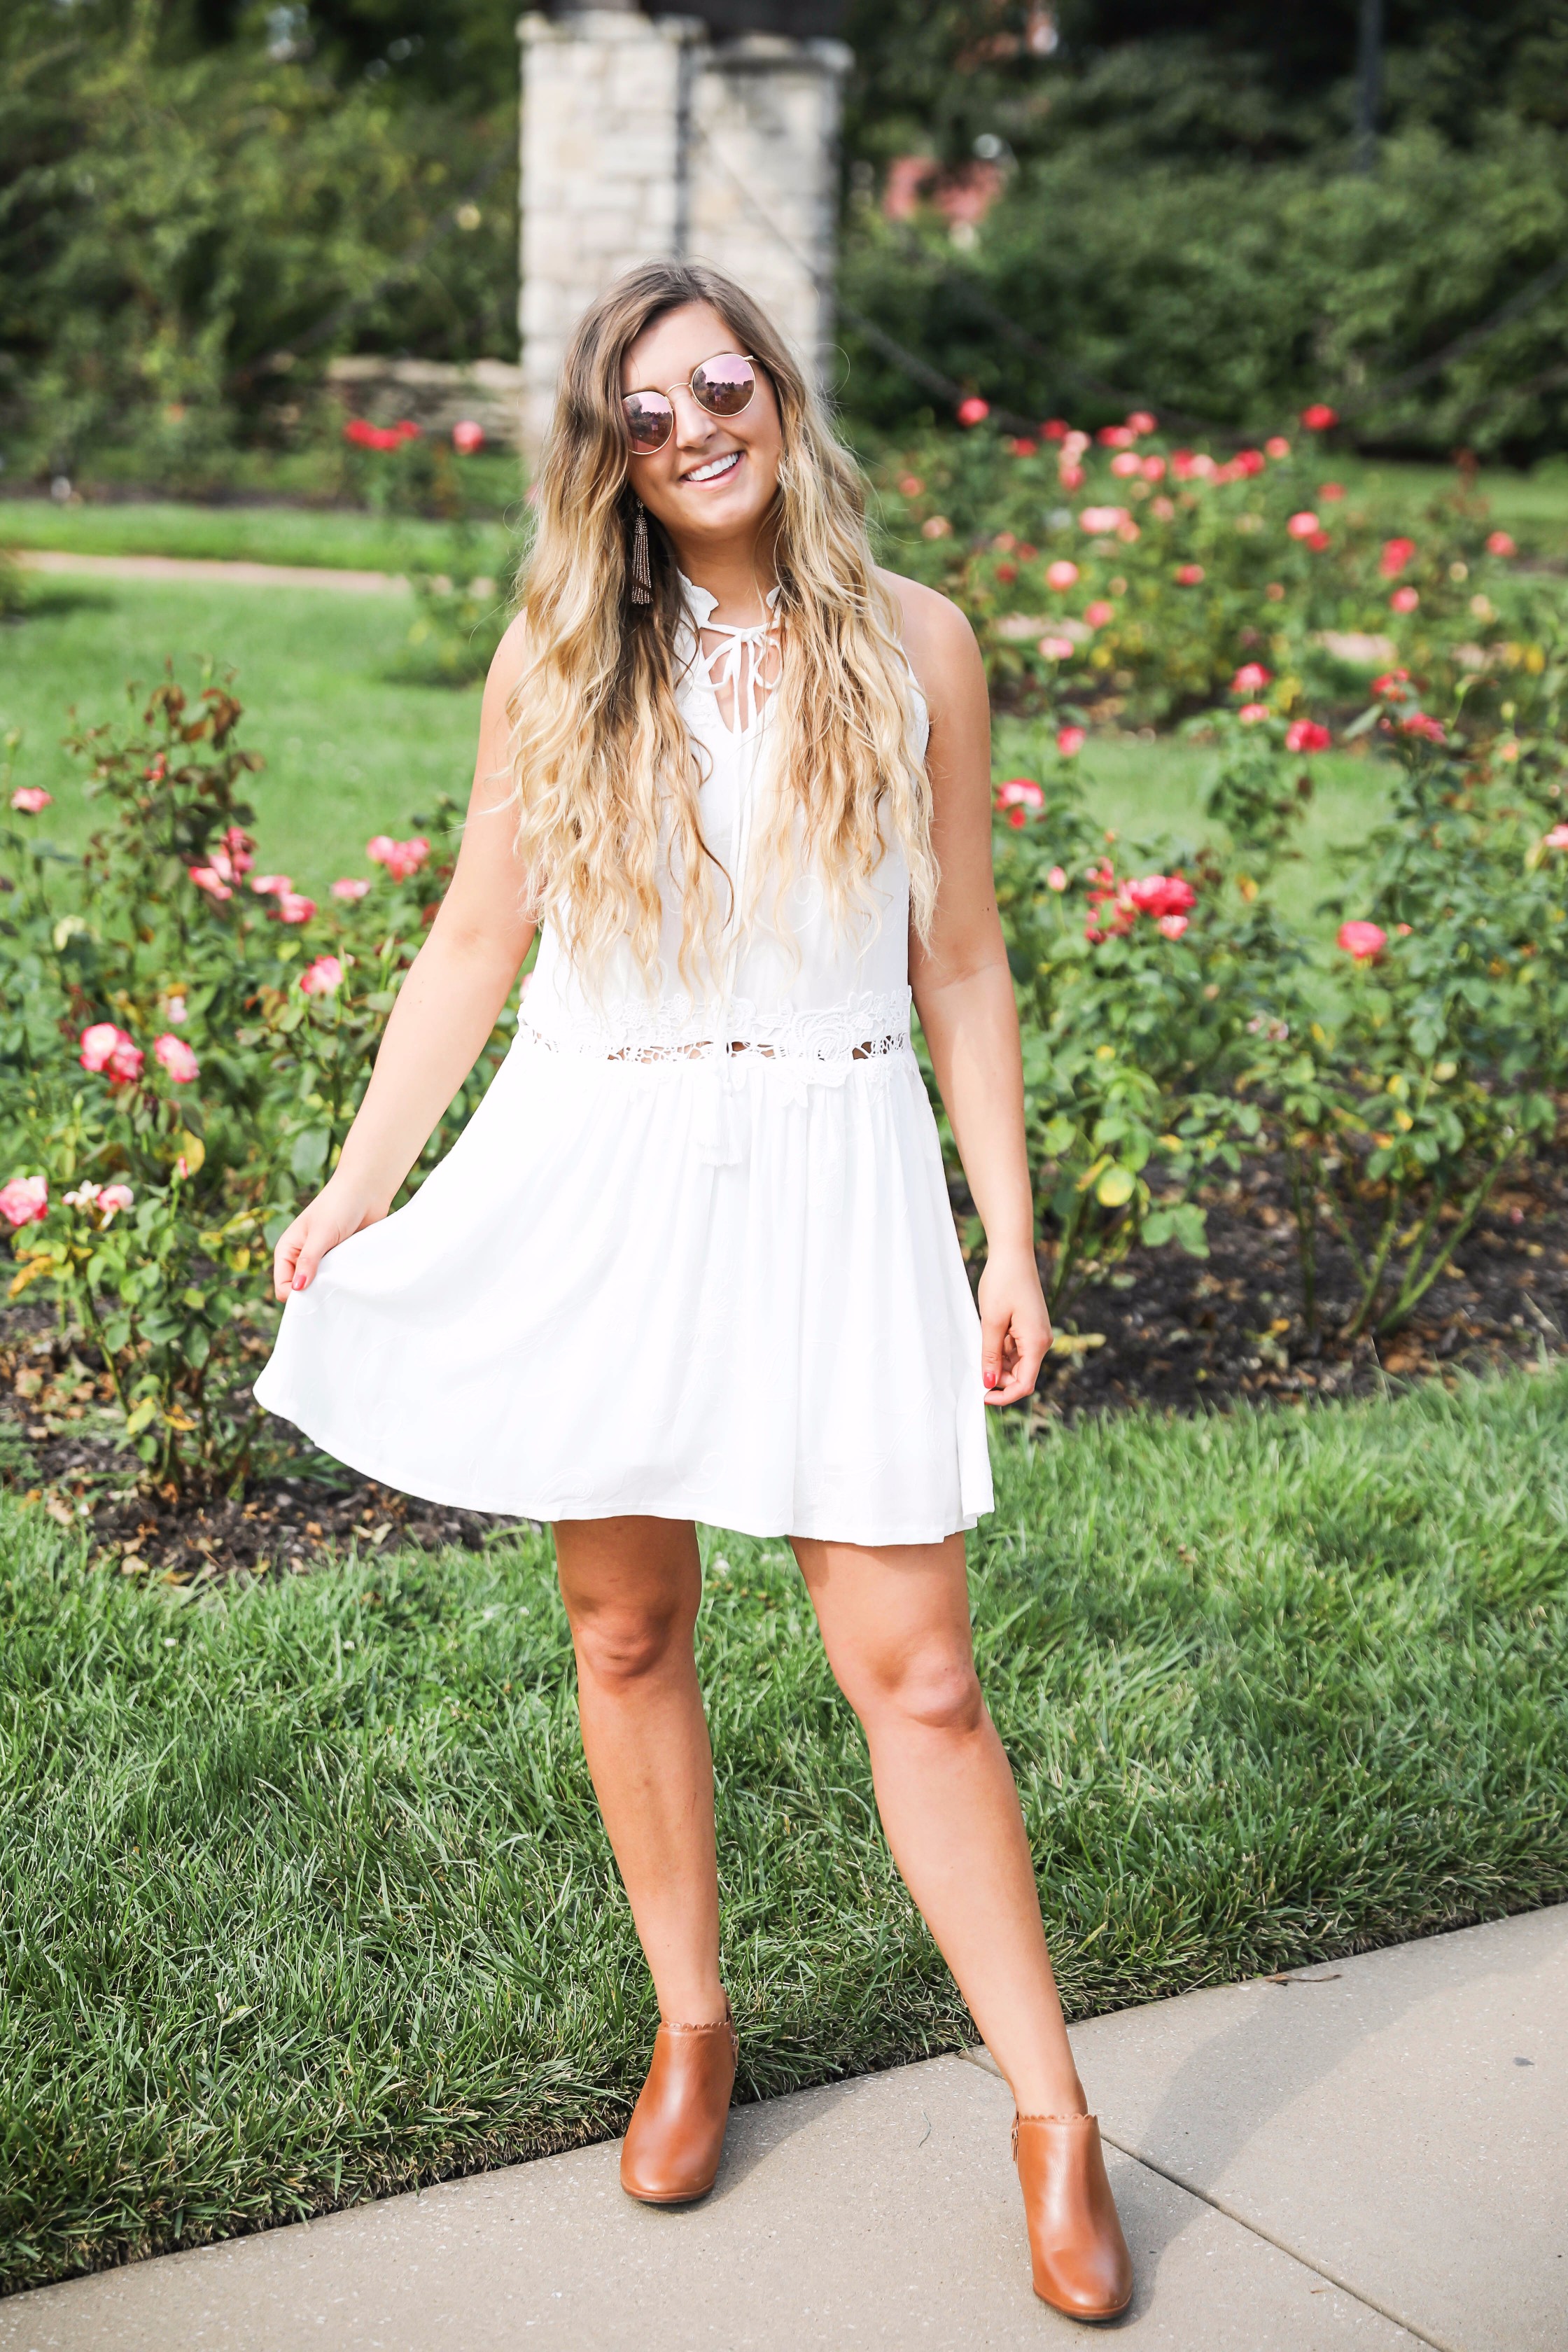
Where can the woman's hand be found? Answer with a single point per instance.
(1015, 1327)
(330, 1218)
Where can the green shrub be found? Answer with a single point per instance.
(184, 1045)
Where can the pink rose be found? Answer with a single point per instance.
(1153, 469)
(974, 411)
(114, 1197)
(24, 1200)
(1114, 437)
(1126, 462)
(1320, 417)
(1070, 740)
(1173, 925)
(1396, 554)
(1160, 894)
(1139, 420)
(1250, 678)
(209, 878)
(1405, 600)
(323, 977)
(467, 437)
(1276, 446)
(270, 886)
(1104, 518)
(97, 1045)
(1306, 735)
(237, 845)
(1098, 614)
(1163, 510)
(1061, 574)
(1071, 474)
(402, 858)
(1500, 543)
(1056, 879)
(1251, 712)
(31, 799)
(1249, 462)
(1304, 525)
(1392, 685)
(1557, 838)
(349, 886)
(1189, 575)
(1364, 941)
(1020, 792)
(176, 1058)
(294, 909)
(1330, 492)
(124, 1063)
(1057, 648)
(1417, 723)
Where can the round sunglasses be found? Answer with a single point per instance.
(721, 386)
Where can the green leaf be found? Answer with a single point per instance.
(309, 1156)
(137, 1419)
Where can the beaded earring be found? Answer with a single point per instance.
(642, 573)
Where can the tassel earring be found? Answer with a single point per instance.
(642, 575)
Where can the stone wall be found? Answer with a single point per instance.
(642, 138)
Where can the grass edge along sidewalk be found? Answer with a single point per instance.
(306, 1900)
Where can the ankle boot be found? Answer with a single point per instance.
(1080, 2259)
(675, 2136)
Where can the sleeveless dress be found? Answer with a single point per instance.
(692, 1258)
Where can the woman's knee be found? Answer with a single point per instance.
(929, 1687)
(623, 1643)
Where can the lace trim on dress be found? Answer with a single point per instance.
(866, 1027)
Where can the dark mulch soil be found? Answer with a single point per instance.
(1176, 1333)
(1161, 1330)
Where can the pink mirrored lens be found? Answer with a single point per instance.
(650, 419)
(724, 384)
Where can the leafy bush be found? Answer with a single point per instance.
(1135, 577)
(184, 1044)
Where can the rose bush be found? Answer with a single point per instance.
(1130, 576)
(187, 1031)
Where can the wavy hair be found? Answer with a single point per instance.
(606, 775)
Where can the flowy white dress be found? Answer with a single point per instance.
(691, 1256)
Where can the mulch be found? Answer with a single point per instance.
(1163, 1330)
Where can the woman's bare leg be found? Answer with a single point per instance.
(894, 1623)
(632, 1587)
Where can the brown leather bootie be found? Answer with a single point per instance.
(675, 2136)
(1081, 2263)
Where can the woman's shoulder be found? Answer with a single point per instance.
(939, 643)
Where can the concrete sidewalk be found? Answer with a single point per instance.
(1372, 2154)
(212, 569)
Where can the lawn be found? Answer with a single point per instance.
(351, 751)
(338, 538)
(307, 1901)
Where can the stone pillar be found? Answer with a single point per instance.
(642, 138)
(764, 177)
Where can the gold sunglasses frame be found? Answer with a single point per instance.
(668, 390)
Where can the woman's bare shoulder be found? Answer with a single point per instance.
(939, 643)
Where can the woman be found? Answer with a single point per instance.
(693, 1259)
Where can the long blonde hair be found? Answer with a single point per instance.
(599, 754)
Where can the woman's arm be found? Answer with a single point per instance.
(963, 993)
(446, 1009)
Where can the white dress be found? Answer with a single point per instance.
(657, 1275)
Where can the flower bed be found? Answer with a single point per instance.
(1127, 577)
(186, 1036)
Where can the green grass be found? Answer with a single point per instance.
(1534, 504)
(305, 1898)
(341, 539)
(1150, 793)
(348, 753)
